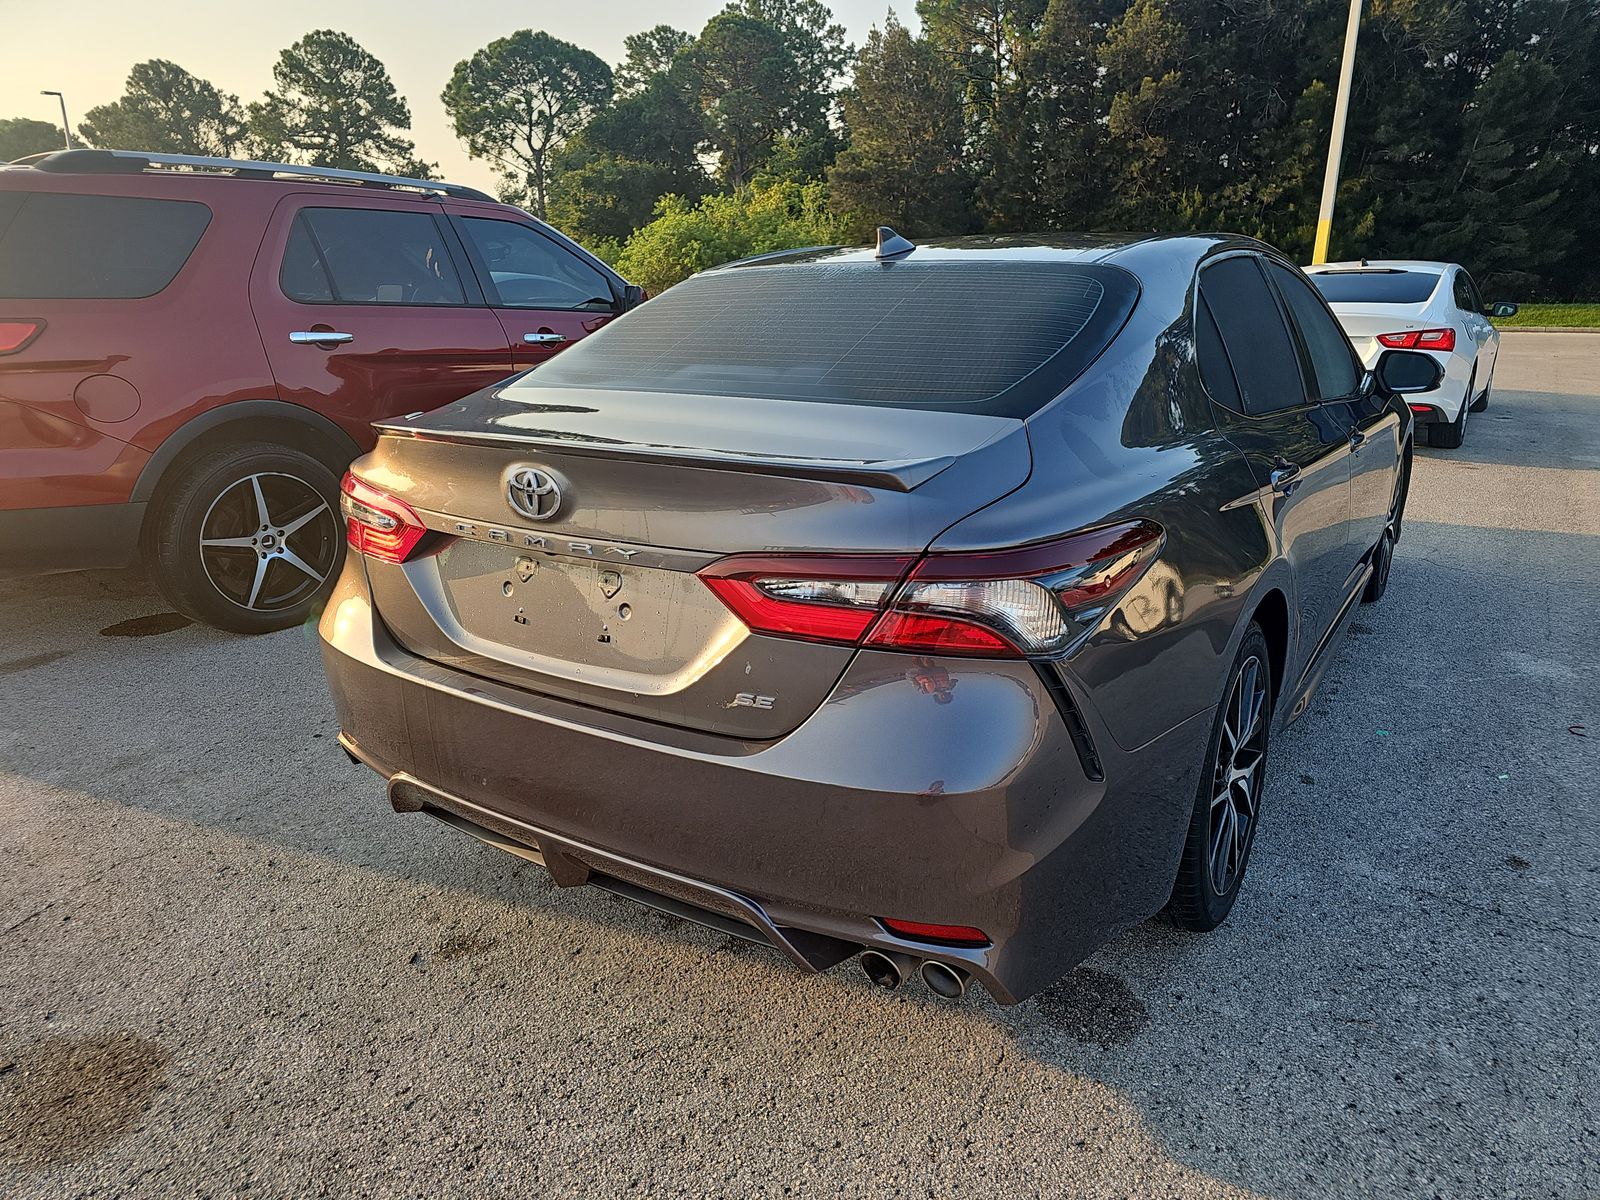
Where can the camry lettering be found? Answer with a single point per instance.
(535, 541)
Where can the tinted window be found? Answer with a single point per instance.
(528, 270)
(371, 256)
(1467, 297)
(302, 275)
(992, 336)
(1332, 359)
(96, 247)
(1265, 361)
(1215, 370)
(1377, 286)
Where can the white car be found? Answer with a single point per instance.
(1401, 304)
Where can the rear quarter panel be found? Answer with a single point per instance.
(185, 350)
(1134, 437)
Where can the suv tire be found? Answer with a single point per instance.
(248, 538)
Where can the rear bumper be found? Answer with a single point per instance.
(963, 805)
(35, 541)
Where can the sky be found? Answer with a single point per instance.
(85, 47)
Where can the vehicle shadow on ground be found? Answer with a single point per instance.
(1347, 1014)
(1521, 429)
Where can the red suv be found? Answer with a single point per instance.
(192, 349)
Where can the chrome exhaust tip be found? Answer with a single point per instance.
(885, 968)
(944, 980)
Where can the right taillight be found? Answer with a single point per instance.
(376, 523)
(1027, 601)
(1420, 339)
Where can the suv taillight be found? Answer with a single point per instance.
(1029, 601)
(14, 335)
(1420, 339)
(377, 524)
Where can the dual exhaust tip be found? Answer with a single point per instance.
(889, 969)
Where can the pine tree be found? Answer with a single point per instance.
(166, 109)
(904, 166)
(334, 106)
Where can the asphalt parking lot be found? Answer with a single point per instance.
(226, 966)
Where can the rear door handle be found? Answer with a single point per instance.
(1285, 479)
(321, 337)
(544, 339)
(1357, 440)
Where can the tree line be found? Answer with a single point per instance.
(1474, 131)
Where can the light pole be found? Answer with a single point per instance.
(66, 130)
(1341, 107)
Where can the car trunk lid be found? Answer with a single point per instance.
(599, 602)
(1363, 322)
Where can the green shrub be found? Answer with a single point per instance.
(685, 238)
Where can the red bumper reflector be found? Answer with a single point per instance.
(951, 935)
(14, 335)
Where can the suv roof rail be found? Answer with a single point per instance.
(133, 162)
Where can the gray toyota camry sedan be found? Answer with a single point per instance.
(935, 604)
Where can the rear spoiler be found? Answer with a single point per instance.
(898, 475)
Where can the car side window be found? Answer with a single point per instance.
(1251, 328)
(1333, 362)
(528, 270)
(368, 256)
(1216, 372)
(1467, 295)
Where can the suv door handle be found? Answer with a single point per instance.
(1357, 440)
(321, 337)
(544, 338)
(1285, 479)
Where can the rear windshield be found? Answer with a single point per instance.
(991, 337)
(1375, 287)
(55, 246)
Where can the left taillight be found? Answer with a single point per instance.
(376, 523)
(15, 334)
(1027, 601)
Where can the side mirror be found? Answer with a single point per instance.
(1503, 308)
(1406, 372)
(632, 296)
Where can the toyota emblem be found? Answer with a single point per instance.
(533, 493)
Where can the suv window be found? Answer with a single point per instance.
(368, 256)
(525, 269)
(59, 246)
(901, 334)
(1265, 361)
(1333, 362)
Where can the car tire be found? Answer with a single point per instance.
(1447, 435)
(1482, 402)
(248, 538)
(1203, 895)
(1382, 561)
